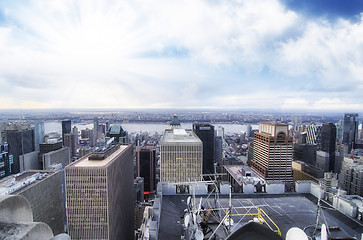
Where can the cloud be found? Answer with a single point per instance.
(137, 54)
(329, 53)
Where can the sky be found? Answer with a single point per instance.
(186, 54)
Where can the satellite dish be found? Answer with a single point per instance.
(186, 220)
(296, 234)
(323, 233)
(198, 235)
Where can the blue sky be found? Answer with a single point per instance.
(243, 54)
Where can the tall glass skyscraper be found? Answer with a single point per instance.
(350, 130)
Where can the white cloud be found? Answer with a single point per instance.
(331, 53)
(166, 54)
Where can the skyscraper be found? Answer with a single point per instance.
(99, 190)
(66, 128)
(272, 152)
(350, 130)
(181, 156)
(145, 164)
(328, 139)
(205, 132)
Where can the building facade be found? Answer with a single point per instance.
(181, 156)
(351, 176)
(6, 160)
(313, 135)
(145, 165)
(99, 187)
(205, 132)
(70, 141)
(328, 140)
(43, 190)
(273, 152)
(20, 142)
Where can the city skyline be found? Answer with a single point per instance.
(280, 55)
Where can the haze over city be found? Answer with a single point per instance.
(267, 54)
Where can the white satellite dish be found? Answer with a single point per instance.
(296, 234)
(323, 233)
(198, 235)
(186, 220)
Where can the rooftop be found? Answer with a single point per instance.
(286, 211)
(21, 181)
(180, 135)
(243, 173)
(86, 162)
(116, 129)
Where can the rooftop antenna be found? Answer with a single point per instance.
(324, 229)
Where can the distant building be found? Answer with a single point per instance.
(99, 189)
(43, 190)
(181, 156)
(218, 150)
(20, 142)
(174, 122)
(339, 126)
(29, 161)
(95, 126)
(75, 132)
(49, 147)
(205, 132)
(249, 131)
(328, 140)
(6, 160)
(145, 165)
(322, 160)
(66, 128)
(117, 132)
(38, 134)
(60, 156)
(350, 130)
(70, 140)
(273, 152)
(88, 134)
